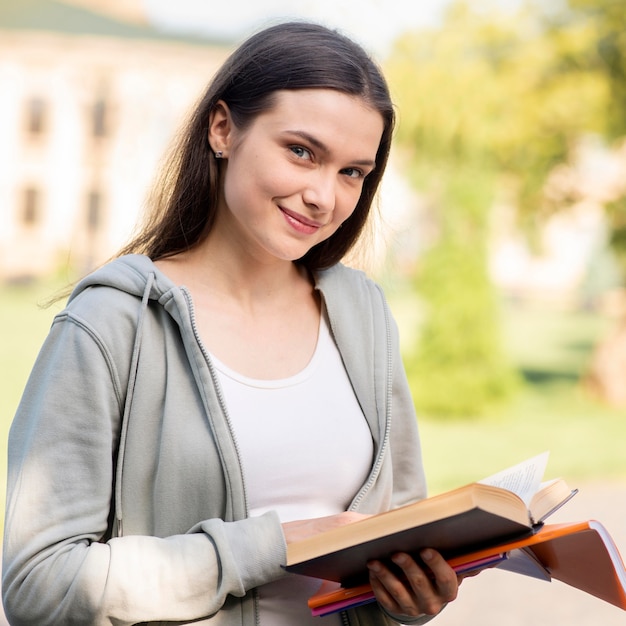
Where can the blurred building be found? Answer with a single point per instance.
(90, 96)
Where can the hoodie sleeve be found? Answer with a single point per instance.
(56, 567)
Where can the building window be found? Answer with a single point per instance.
(94, 211)
(36, 116)
(31, 206)
(99, 118)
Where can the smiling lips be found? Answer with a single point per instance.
(300, 223)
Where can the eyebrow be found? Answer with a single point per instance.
(320, 145)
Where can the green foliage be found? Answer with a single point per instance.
(607, 55)
(552, 410)
(459, 366)
(488, 98)
(617, 215)
(500, 90)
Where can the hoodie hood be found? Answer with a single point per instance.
(129, 274)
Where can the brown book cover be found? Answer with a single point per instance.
(342, 556)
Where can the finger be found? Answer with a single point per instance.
(420, 589)
(423, 585)
(445, 578)
(391, 592)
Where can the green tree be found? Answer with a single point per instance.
(489, 98)
(607, 58)
(460, 367)
(608, 54)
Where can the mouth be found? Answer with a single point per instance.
(300, 223)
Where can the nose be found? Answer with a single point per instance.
(320, 192)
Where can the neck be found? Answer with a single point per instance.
(242, 277)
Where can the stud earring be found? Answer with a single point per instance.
(219, 154)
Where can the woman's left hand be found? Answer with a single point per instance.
(417, 590)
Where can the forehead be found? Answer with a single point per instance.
(332, 116)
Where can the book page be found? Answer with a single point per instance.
(612, 550)
(523, 561)
(522, 479)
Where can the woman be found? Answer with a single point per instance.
(226, 386)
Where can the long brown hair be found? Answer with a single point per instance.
(292, 55)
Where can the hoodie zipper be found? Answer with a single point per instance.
(385, 440)
(218, 389)
(222, 403)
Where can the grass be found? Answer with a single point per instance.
(23, 328)
(586, 441)
(24, 325)
(552, 411)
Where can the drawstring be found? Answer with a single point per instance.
(132, 377)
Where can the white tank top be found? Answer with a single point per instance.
(306, 450)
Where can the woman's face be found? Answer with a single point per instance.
(296, 173)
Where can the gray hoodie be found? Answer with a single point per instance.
(126, 501)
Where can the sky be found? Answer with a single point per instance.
(373, 23)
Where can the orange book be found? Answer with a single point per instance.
(581, 554)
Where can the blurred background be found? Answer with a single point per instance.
(500, 237)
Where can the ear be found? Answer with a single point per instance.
(220, 128)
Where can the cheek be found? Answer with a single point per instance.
(255, 179)
(241, 185)
(346, 204)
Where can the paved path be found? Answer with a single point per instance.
(503, 599)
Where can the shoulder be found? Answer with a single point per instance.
(104, 311)
(340, 281)
(106, 305)
(355, 303)
(346, 290)
(113, 293)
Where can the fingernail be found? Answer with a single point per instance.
(427, 555)
(374, 566)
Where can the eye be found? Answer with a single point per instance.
(353, 172)
(301, 152)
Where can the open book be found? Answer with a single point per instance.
(582, 555)
(509, 505)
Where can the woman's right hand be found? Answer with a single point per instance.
(302, 529)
